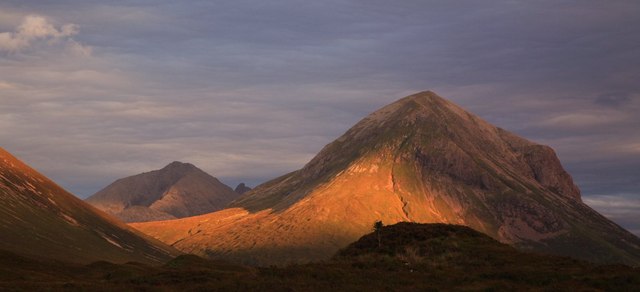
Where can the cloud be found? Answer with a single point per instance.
(36, 28)
(613, 99)
(621, 208)
(4, 85)
(584, 120)
(619, 203)
(631, 148)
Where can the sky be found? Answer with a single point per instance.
(92, 91)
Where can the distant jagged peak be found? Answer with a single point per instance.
(242, 188)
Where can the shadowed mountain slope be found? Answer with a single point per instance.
(38, 218)
(178, 190)
(420, 159)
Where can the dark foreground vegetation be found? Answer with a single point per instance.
(402, 257)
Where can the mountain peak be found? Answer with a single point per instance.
(179, 165)
(175, 191)
(427, 95)
(421, 111)
(242, 188)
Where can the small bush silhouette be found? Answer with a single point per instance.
(377, 228)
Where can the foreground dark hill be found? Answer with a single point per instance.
(412, 257)
(420, 159)
(178, 190)
(39, 218)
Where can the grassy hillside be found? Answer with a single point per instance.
(411, 257)
(39, 218)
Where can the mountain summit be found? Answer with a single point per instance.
(420, 159)
(175, 191)
(242, 188)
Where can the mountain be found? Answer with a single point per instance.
(242, 188)
(40, 219)
(178, 190)
(420, 159)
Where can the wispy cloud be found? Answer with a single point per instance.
(37, 29)
(619, 203)
(7, 85)
(622, 208)
(584, 120)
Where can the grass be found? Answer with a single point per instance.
(413, 257)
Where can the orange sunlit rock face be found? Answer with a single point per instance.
(39, 218)
(420, 159)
